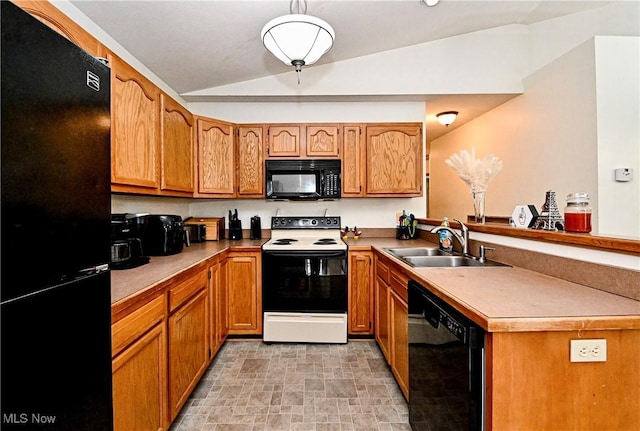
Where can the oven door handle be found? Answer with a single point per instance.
(306, 254)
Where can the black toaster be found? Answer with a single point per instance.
(197, 232)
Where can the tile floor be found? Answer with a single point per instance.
(253, 386)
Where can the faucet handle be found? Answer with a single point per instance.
(483, 253)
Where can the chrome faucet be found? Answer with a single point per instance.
(462, 237)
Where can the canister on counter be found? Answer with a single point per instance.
(577, 213)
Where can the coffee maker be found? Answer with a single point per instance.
(126, 245)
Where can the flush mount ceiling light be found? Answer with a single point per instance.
(446, 118)
(298, 39)
(429, 2)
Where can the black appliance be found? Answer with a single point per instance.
(56, 202)
(446, 366)
(304, 281)
(196, 232)
(256, 228)
(126, 246)
(161, 235)
(302, 179)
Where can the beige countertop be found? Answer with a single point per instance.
(128, 282)
(497, 298)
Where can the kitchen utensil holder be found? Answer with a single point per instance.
(406, 232)
(235, 229)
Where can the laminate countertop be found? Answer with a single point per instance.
(500, 299)
(135, 281)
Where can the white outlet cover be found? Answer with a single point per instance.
(594, 350)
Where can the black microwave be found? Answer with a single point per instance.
(302, 179)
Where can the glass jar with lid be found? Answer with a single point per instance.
(577, 213)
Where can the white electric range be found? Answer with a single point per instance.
(304, 281)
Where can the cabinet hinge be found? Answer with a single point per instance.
(209, 274)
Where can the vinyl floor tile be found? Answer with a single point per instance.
(252, 386)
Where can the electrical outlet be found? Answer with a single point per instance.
(589, 350)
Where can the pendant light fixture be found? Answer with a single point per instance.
(298, 39)
(447, 117)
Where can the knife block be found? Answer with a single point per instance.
(235, 229)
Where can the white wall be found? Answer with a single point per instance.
(546, 139)
(618, 98)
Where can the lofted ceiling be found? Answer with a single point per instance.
(196, 45)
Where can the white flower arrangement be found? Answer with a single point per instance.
(477, 173)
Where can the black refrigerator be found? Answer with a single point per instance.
(55, 314)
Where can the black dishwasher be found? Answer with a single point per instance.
(446, 366)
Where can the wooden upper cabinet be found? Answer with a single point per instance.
(322, 140)
(284, 141)
(58, 21)
(250, 161)
(176, 148)
(216, 160)
(394, 160)
(134, 130)
(353, 161)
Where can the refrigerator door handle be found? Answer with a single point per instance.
(95, 269)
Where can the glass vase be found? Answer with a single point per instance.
(478, 207)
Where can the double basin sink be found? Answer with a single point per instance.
(431, 257)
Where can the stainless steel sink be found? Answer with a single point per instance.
(416, 251)
(431, 257)
(447, 262)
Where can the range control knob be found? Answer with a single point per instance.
(314, 222)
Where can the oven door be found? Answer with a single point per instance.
(304, 281)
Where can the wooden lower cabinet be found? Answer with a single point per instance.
(532, 385)
(391, 320)
(244, 283)
(399, 332)
(361, 290)
(188, 331)
(139, 384)
(139, 369)
(217, 307)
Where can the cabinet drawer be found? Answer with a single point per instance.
(186, 289)
(382, 271)
(134, 325)
(399, 285)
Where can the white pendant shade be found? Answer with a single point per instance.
(298, 38)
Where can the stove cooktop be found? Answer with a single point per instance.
(305, 233)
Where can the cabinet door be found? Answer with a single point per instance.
(250, 162)
(399, 341)
(223, 302)
(216, 160)
(139, 384)
(217, 308)
(353, 161)
(284, 141)
(382, 317)
(55, 19)
(323, 141)
(134, 129)
(245, 293)
(394, 160)
(360, 293)
(188, 349)
(176, 148)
